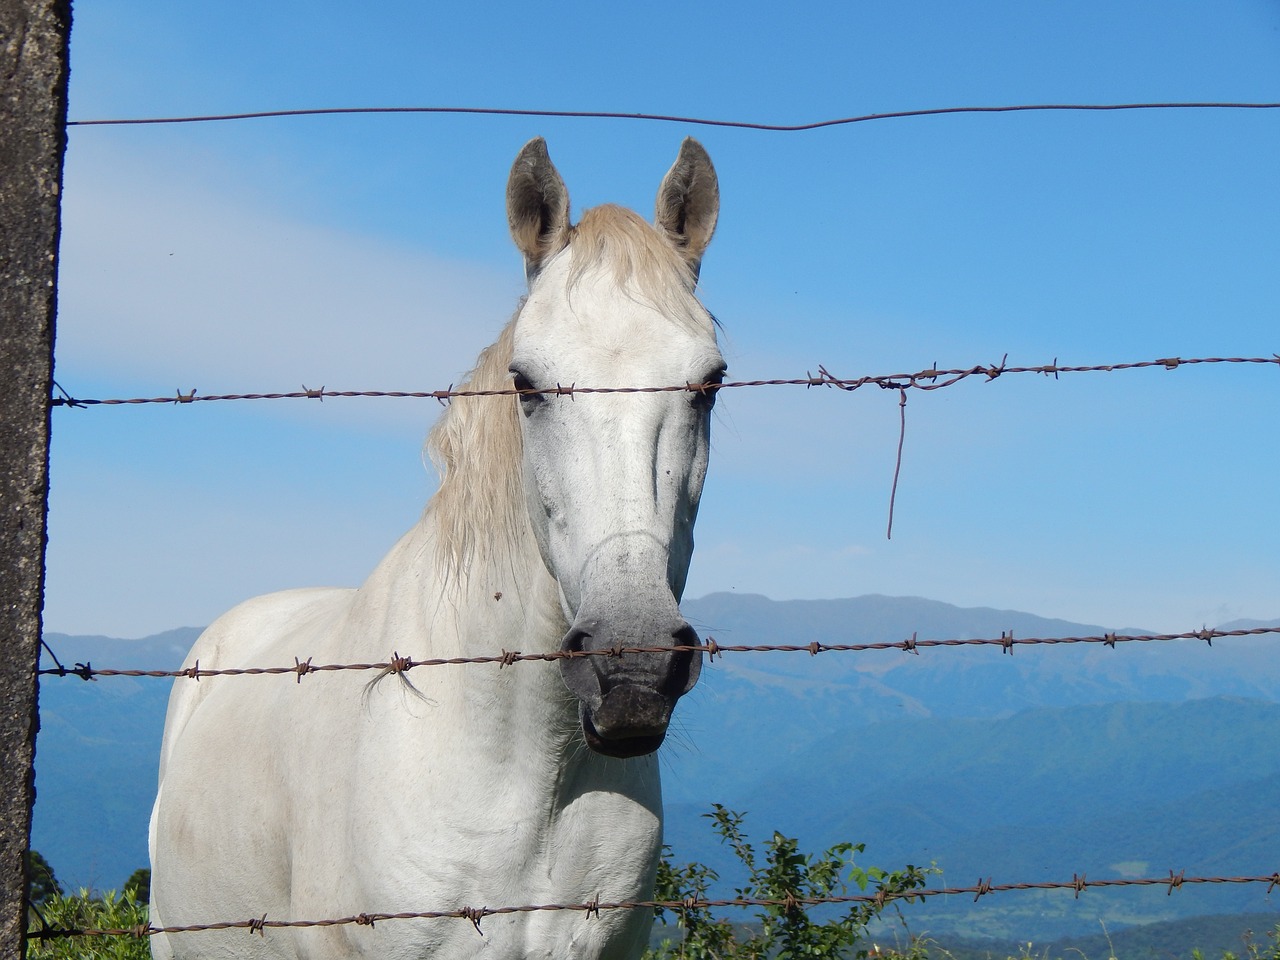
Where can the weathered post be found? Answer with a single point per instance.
(33, 114)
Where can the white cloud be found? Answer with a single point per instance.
(170, 284)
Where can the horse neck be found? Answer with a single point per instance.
(501, 601)
(500, 595)
(460, 721)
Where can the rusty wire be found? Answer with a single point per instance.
(398, 664)
(932, 378)
(1078, 882)
(667, 118)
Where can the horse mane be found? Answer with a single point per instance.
(476, 444)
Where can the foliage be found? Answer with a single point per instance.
(782, 931)
(785, 928)
(139, 884)
(83, 911)
(41, 883)
(1268, 949)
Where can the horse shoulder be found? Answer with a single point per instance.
(256, 626)
(256, 633)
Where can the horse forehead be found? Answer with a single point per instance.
(606, 327)
(614, 338)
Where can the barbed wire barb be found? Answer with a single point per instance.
(66, 398)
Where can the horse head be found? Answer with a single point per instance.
(612, 481)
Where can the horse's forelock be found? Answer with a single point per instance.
(640, 260)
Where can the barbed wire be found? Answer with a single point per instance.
(669, 118)
(931, 378)
(398, 664)
(1078, 883)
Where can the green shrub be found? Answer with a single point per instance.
(83, 911)
(786, 930)
(41, 883)
(139, 884)
(1268, 949)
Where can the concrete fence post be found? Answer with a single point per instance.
(33, 113)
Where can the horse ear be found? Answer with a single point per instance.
(537, 205)
(689, 202)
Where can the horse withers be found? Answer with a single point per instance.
(563, 522)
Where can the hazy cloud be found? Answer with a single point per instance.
(168, 283)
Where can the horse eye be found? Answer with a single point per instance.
(706, 399)
(527, 400)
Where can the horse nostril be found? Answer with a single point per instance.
(578, 672)
(686, 636)
(685, 664)
(574, 641)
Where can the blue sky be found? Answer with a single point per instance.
(372, 253)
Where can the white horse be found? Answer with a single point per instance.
(562, 523)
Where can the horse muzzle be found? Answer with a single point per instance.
(626, 698)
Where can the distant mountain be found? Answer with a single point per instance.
(163, 651)
(751, 710)
(1109, 790)
(1212, 936)
(97, 755)
(1118, 761)
(1055, 758)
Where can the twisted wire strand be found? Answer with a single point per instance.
(713, 648)
(670, 118)
(931, 378)
(1078, 883)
